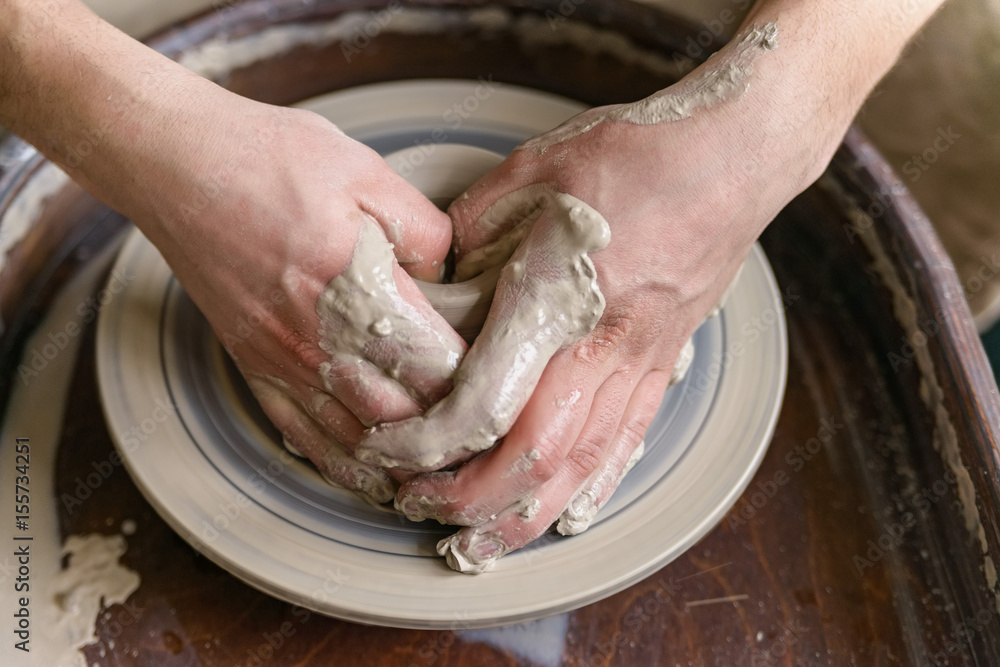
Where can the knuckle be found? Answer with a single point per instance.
(369, 413)
(594, 351)
(606, 340)
(465, 213)
(634, 426)
(299, 347)
(339, 376)
(468, 514)
(549, 459)
(617, 324)
(458, 211)
(586, 455)
(633, 430)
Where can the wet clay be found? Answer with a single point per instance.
(458, 558)
(547, 297)
(93, 580)
(726, 76)
(375, 336)
(516, 212)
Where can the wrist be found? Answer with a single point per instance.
(130, 125)
(830, 56)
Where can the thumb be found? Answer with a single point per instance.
(487, 211)
(421, 234)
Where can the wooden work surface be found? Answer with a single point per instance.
(849, 546)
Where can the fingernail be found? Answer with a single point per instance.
(484, 548)
(584, 504)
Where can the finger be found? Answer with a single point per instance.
(341, 425)
(498, 230)
(335, 417)
(491, 482)
(483, 213)
(304, 437)
(366, 391)
(425, 352)
(627, 449)
(338, 467)
(421, 234)
(547, 297)
(588, 501)
(492, 207)
(475, 549)
(368, 322)
(556, 423)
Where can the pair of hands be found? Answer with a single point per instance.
(681, 224)
(684, 201)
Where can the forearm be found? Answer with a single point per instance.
(830, 55)
(110, 111)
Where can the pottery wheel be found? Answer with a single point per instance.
(215, 469)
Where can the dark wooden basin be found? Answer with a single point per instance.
(873, 550)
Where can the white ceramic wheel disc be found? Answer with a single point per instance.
(218, 475)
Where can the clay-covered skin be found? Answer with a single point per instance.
(687, 180)
(728, 76)
(254, 207)
(547, 297)
(340, 468)
(304, 437)
(507, 360)
(463, 550)
(580, 512)
(513, 215)
(376, 337)
(597, 491)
